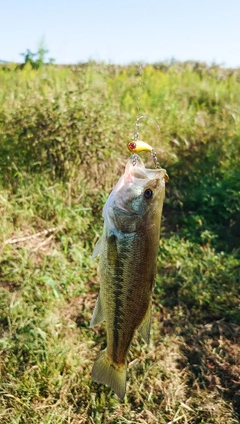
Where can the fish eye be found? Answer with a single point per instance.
(148, 193)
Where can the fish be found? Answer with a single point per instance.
(128, 250)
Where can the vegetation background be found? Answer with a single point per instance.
(63, 135)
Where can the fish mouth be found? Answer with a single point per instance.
(135, 170)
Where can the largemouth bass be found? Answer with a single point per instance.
(128, 252)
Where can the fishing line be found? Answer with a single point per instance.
(140, 82)
(137, 145)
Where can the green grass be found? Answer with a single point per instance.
(63, 136)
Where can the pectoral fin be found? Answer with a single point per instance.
(145, 326)
(98, 314)
(97, 248)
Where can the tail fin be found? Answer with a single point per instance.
(107, 373)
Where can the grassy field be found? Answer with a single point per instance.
(63, 136)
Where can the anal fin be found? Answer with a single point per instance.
(98, 314)
(145, 326)
(97, 248)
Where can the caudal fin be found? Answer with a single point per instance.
(106, 373)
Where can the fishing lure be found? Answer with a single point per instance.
(138, 146)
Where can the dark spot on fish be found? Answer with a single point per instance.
(112, 238)
(118, 293)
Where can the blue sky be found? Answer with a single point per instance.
(122, 31)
